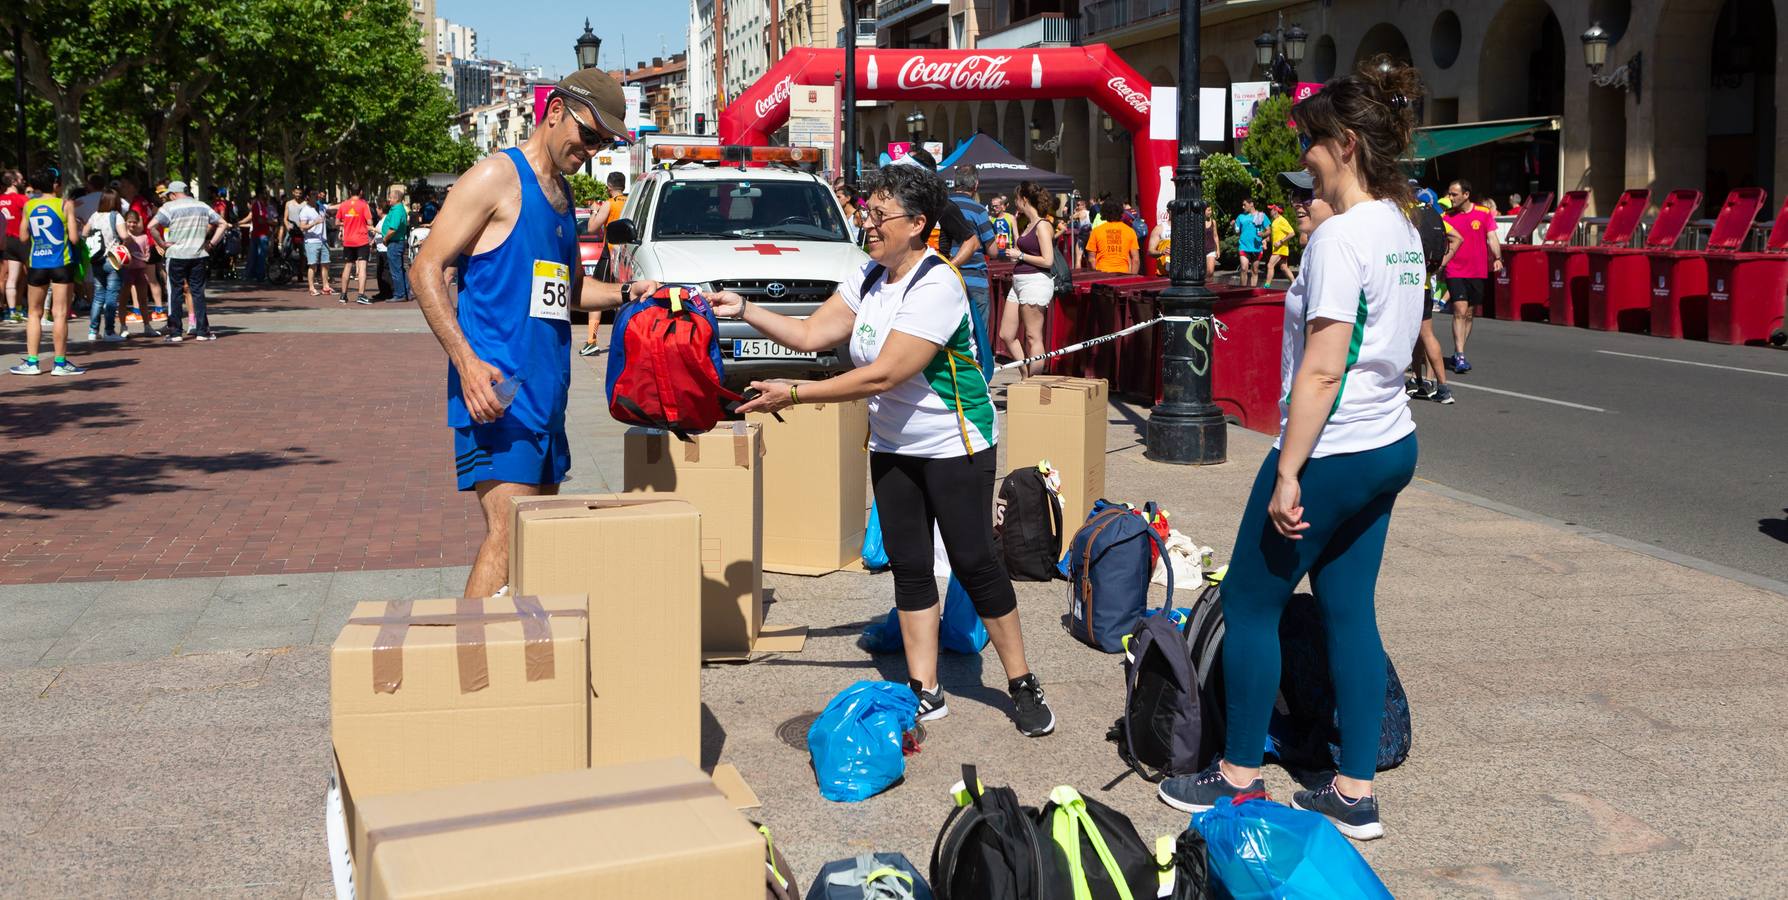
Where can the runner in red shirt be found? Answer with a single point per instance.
(259, 222)
(12, 246)
(355, 219)
(1468, 268)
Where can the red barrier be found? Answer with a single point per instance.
(1075, 317)
(1116, 301)
(1245, 377)
(1569, 266)
(1521, 287)
(1620, 277)
(1680, 299)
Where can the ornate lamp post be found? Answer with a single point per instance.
(1279, 52)
(589, 48)
(1595, 55)
(1186, 427)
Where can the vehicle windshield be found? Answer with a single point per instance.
(698, 210)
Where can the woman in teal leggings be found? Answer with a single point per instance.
(1321, 504)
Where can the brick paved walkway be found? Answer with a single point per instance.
(306, 450)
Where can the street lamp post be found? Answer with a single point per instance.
(850, 167)
(1186, 427)
(915, 126)
(1279, 52)
(1595, 56)
(589, 48)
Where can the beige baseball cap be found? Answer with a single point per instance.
(601, 96)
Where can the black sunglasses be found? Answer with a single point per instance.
(590, 137)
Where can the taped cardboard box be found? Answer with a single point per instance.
(430, 693)
(638, 830)
(1063, 420)
(639, 560)
(816, 476)
(721, 473)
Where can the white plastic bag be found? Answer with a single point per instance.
(1190, 562)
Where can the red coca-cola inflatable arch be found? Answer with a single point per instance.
(1093, 72)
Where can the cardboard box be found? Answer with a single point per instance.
(639, 560)
(1062, 420)
(431, 693)
(816, 486)
(720, 472)
(640, 830)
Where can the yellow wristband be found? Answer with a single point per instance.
(794, 399)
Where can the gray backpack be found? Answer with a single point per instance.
(870, 876)
(1161, 732)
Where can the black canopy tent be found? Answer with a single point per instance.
(999, 171)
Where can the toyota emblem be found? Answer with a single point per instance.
(776, 290)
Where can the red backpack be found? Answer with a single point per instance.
(664, 367)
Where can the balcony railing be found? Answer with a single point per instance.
(1099, 16)
(1042, 30)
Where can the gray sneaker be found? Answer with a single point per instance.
(932, 704)
(1358, 819)
(1443, 395)
(1200, 792)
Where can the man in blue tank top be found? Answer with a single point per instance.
(509, 229)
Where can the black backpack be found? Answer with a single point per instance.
(1092, 826)
(1305, 726)
(1029, 538)
(1162, 729)
(988, 848)
(1204, 648)
(1433, 231)
(1192, 878)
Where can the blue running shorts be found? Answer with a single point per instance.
(494, 453)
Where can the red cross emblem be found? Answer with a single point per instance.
(768, 249)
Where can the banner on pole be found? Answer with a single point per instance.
(1164, 113)
(1244, 96)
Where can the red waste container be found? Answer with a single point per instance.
(999, 286)
(1568, 267)
(1679, 282)
(1245, 377)
(1114, 300)
(1139, 354)
(1073, 318)
(1521, 287)
(1620, 277)
(1528, 217)
(1746, 291)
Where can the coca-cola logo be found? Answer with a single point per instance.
(1137, 99)
(778, 96)
(979, 72)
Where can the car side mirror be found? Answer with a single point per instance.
(621, 231)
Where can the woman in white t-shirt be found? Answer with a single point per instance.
(932, 427)
(1322, 502)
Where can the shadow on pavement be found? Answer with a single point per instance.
(1775, 528)
(43, 417)
(103, 480)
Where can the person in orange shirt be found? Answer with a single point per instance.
(1112, 245)
(355, 219)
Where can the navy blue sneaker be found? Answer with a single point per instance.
(1358, 819)
(1197, 793)
(932, 704)
(1460, 364)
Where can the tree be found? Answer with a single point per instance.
(1272, 147)
(586, 190)
(72, 47)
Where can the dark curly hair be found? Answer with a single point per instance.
(1376, 104)
(919, 192)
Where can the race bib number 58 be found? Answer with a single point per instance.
(551, 297)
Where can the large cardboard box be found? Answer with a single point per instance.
(639, 560)
(657, 829)
(721, 473)
(431, 693)
(816, 486)
(1062, 420)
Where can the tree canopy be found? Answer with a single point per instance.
(222, 91)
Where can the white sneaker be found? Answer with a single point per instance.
(93, 335)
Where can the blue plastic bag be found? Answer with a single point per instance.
(855, 743)
(875, 556)
(1260, 849)
(960, 632)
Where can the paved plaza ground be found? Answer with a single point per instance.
(183, 531)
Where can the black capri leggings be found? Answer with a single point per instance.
(911, 492)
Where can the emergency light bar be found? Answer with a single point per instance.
(735, 153)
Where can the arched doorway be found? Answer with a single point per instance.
(1521, 66)
(1521, 74)
(1014, 133)
(1043, 118)
(1382, 38)
(1322, 58)
(1741, 103)
(939, 128)
(1075, 159)
(987, 119)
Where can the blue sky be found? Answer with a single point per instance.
(543, 32)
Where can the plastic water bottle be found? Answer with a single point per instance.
(506, 390)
